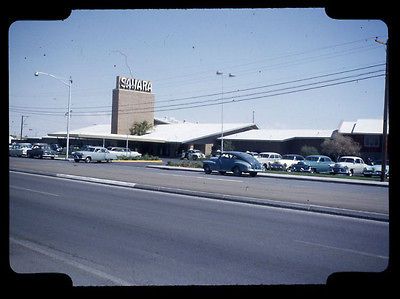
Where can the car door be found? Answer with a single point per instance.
(226, 162)
(359, 165)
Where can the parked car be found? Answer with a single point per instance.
(314, 163)
(286, 162)
(266, 158)
(19, 149)
(56, 147)
(193, 154)
(41, 150)
(233, 161)
(94, 153)
(123, 152)
(349, 165)
(376, 169)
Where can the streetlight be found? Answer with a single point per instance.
(222, 106)
(69, 84)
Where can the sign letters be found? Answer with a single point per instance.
(134, 84)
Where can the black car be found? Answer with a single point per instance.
(41, 150)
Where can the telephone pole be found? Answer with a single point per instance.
(22, 124)
(385, 113)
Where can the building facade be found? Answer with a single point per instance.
(132, 101)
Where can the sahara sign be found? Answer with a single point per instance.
(134, 84)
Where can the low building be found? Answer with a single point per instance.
(368, 133)
(278, 140)
(164, 140)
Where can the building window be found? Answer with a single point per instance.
(372, 141)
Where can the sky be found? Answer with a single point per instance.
(293, 68)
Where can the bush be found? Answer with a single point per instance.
(143, 157)
(191, 164)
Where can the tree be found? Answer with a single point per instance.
(340, 145)
(140, 128)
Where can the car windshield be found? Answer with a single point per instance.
(288, 157)
(312, 158)
(348, 160)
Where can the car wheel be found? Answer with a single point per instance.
(88, 159)
(236, 171)
(194, 157)
(207, 169)
(76, 160)
(312, 170)
(351, 173)
(253, 174)
(222, 172)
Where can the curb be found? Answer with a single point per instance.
(249, 200)
(287, 176)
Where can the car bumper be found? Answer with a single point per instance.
(336, 170)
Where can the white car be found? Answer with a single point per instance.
(349, 165)
(94, 154)
(266, 158)
(193, 154)
(124, 152)
(286, 162)
(19, 149)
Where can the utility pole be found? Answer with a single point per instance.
(385, 113)
(22, 124)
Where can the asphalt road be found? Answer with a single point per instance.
(105, 235)
(311, 193)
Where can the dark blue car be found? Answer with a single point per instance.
(314, 163)
(233, 161)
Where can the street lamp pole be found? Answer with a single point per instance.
(69, 84)
(222, 106)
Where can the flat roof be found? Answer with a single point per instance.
(279, 134)
(163, 133)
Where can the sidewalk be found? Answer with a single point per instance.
(342, 180)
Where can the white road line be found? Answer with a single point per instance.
(200, 177)
(343, 249)
(69, 260)
(35, 191)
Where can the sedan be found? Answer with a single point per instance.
(233, 161)
(376, 169)
(94, 153)
(349, 165)
(41, 150)
(314, 163)
(286, 162)
(19, 149)
(123, 152)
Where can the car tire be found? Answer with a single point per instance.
(236, 171)
(194, 158)
(222, 172)
(88, 160)
(351, 172)
(207, 169)
(76, 160)
(253, 174)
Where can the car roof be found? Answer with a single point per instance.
(275, 153)
(318, 156)
(355, 157)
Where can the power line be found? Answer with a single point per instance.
(277, 92)
(36, 109)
